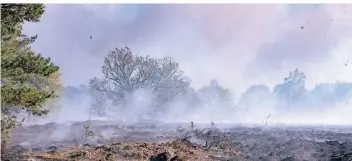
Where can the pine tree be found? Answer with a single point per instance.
(28, 80)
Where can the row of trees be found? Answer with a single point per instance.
(28, 80)
(293, 93)
(126, 73)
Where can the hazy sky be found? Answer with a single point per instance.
(239, 45)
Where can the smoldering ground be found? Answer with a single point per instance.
(248, 130)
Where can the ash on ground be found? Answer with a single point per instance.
(115, 141)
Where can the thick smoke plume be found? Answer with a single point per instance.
(239, 46)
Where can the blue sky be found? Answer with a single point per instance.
(239, 45)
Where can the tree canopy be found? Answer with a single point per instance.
(125, 73)
(216, 96)
(255, 95)
(292, 89)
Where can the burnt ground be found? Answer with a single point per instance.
(112, 141)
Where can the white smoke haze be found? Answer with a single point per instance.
(237, 45)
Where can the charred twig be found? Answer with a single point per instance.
(312, 135)
(266, 119)
(186, 136)
(20, 122)
(192, 125)
(88, 132)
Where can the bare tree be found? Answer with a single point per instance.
(124, 73)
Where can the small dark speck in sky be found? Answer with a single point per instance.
(302, 27)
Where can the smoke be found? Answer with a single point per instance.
(238, 45)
